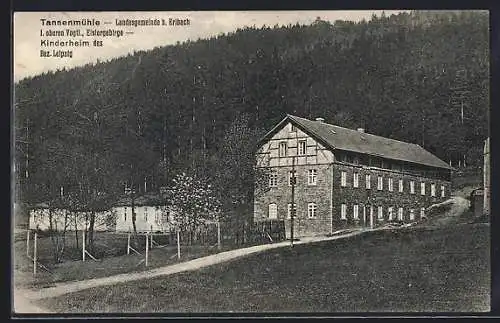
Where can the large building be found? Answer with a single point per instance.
(344, 177)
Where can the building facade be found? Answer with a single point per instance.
(151, 214)
(45, 218)
(344, 178)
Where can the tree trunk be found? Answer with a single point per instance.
(86, 226)
(134, 222)
(53, 237)
(76, 231)
(91, 232)
(63, 238)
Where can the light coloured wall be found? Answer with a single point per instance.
(154, 221)
(40, 219)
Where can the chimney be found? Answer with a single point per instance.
(320, 119)
(362, 130)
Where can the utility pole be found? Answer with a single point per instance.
(292, 210)
(423, 132)
(164, 139)
(458, 97)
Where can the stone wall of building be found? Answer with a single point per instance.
(374, 197)
(281, 195)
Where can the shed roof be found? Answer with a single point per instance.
(142, 200)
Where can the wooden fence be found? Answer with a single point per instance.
(233, 234)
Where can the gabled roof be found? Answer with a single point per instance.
(335, 137)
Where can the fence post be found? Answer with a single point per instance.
(128, 244)
(34, 254)
(147, 247)
(28, 243)
(218, 235)
(151, 239)
(178, 244)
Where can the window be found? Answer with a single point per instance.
(400, 185)
(380, 183)
(380, 213)
(311, 210)
(157, 214)
(375, 162)
(283, 149)
(389, 183)
(343, 212)
(292, 177)
(390, 210)
(302, 147)
(412, 187)
(125, 214)
(422, 212)
(145, 213)
(343, 179)
(442, 190)
(422, 188)
(273, 211)
(355, 212)
(412, 214)
(289, 212)
(311, 179)
(433, 189)
(293, 128)
(400, 214)
(368, 181)
(355, 180)
(273, 179)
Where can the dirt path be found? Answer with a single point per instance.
(458, 205)
(71, 287)
(24, 306)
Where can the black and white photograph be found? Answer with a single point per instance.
(250, 162)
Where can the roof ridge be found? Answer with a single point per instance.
(356, 131)
(321, 130)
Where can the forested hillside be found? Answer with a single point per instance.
(200, 106)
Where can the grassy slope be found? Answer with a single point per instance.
(445, 269)
(111, 250)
